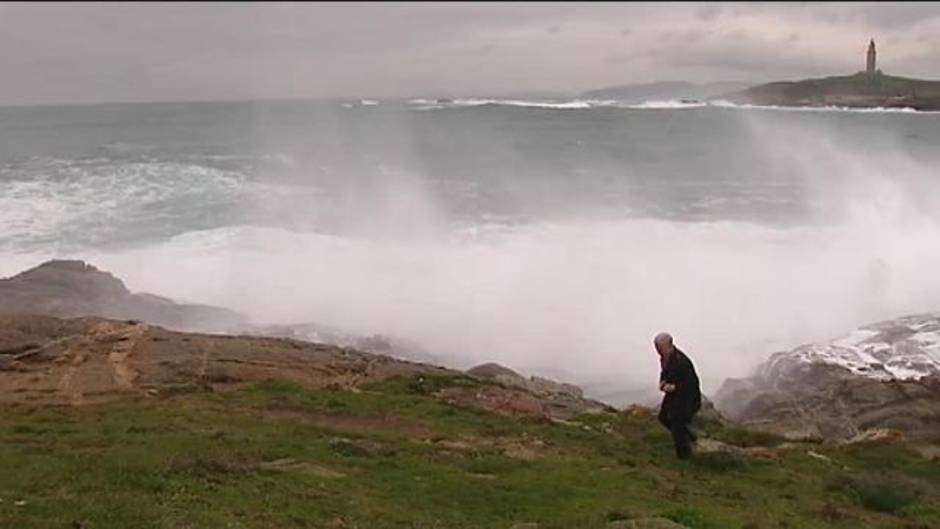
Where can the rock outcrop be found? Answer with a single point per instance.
(90, 356)
(884, 375)
(313, 332)
(74, 288)
(50, 361)
(46, 360)
(559, 399)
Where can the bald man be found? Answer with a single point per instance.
(682, 396)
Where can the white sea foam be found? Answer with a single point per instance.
(894, 350)
(574, 104)
(653, 104)
(581, 297)
(669, 104)
(428, 107)
(48, 200)
(828, 108)
(559, 105)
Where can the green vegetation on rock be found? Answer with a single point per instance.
(860, 90)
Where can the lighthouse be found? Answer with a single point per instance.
(870, 64)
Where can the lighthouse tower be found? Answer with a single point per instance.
(870, 65)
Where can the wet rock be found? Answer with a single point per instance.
(882, 376)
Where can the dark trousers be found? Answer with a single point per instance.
(678, 426)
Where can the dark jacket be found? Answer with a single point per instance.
(686, 400)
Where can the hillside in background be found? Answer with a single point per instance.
(663, 90)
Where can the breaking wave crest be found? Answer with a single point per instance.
(653, 104)
(828, 108)
(574, 104)
(46, 201)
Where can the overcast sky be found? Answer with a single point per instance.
(65, 53)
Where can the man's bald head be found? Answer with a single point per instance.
(663, 343)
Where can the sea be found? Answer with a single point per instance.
(554, 237)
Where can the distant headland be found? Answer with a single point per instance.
(866, 89)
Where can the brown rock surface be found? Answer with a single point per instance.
(90, 359)
(557, 399)
(75, 288)
(499, 400)
(50, 361)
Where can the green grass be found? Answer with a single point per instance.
(276, 455)
(889, 496)
(746, 438)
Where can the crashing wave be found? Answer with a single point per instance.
(907, 348)
(427, 104)
(668, 104)
(574, 104)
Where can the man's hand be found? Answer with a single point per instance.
(668, 388)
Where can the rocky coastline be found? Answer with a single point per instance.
(65, 324)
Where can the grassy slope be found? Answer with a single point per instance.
(381, 458)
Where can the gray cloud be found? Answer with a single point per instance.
(709, 11)
(94, 52)
(899, 14)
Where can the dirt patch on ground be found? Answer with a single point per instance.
(302, 467)
(522, 448)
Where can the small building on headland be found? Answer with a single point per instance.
(872, 57)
